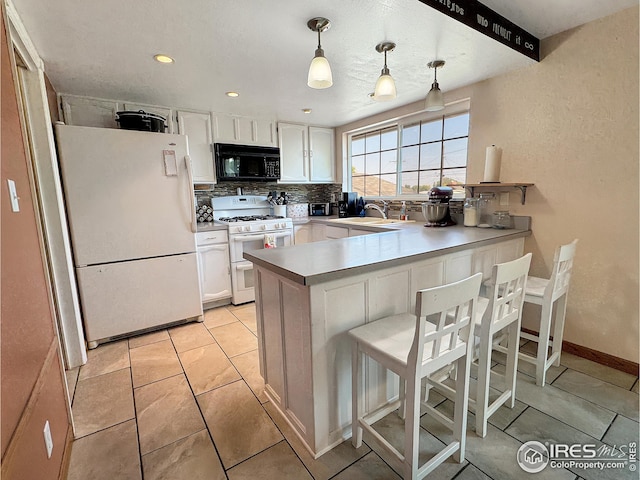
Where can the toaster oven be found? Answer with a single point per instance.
(319, 209)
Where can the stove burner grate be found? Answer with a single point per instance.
(249, 218)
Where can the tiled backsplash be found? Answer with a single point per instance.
(298, 193)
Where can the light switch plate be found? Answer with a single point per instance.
(48, 441)
(13, 195)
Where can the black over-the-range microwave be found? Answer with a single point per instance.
(246, 162)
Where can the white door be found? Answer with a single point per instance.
(294, 163)
(89, 112)
(197, 127)
(120, 203)
(125, 297)
(215, 274)
(321, 156)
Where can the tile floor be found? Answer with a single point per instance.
(188, 403)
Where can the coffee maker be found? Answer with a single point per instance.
(436, 210)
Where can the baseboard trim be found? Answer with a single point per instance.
(66, 456)
(602, 358)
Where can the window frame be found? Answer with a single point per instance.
(457, 108)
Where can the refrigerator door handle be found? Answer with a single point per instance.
(187, 162)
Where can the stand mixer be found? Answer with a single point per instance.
(436, 210)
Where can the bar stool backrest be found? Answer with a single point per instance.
(450, 308)
(561, 274)
(506, 292)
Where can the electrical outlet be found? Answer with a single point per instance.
(504, 198)
(48, 441)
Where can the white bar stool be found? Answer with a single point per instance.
(501, 311)
(547, 292)
(413, 347)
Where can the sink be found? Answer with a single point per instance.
(368, 221)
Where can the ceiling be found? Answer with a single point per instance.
(262, 49)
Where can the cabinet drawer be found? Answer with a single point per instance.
(211, 237)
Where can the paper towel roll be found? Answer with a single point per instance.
(492, 164)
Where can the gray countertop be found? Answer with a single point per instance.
(317, 262)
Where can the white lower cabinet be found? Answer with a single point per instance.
(356, 232)
(306, 154)
(302, 234)
(332, 232)
(213, 264)
(197, 127)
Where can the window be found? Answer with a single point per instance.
(410, 158)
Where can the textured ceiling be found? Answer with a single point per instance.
(262, 49)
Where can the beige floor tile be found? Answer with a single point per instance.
(239, 426)
(327, 465)
(235, 339)
(110, 454)
(370, 467)
(166, 412)
(247, 315)
(217, 317)
(106, 358)
(191, 458)
(635, 387)
(148, 338)
(248, 366)
(278, 461)
(102, 402)
(207, 368)
(192, 335)
(153, 362)
(72, 381)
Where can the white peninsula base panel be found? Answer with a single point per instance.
(305, 353)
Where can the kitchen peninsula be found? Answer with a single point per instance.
(308, 296)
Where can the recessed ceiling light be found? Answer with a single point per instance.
(163, 58)
(306, 110)
(232, 94)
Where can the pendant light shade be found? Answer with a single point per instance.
(319, 70)
(385, 86)
(435, 98)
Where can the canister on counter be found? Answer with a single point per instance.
(471, 212)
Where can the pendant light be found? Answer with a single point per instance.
(435, 99)
(385, 86)
(319, 70)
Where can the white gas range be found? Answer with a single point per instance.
(251, 227)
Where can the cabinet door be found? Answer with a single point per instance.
(336, 232)
(224, 128)
(355, 232)
(264, 130)
(302, 234)
(321, 154)
(197, 127)
(162, 111)
(89, 112)
(294, 161)
(215, 277)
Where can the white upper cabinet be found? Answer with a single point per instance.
(162, 111)
(321, 157)
(293, 140)
(197, 127)
(306, 154)
(89, 112)
(243, 130)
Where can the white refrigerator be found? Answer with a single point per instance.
(129, 202)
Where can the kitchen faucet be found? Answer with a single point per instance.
(383, 211)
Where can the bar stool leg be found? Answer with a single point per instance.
(513, 332)
(543, 343)
(462, 403)
(482, 395)
(402, 410)
(558, 328)
(412, 427)
(356, 382)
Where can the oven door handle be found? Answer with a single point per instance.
(244, 266)
(248, 238)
